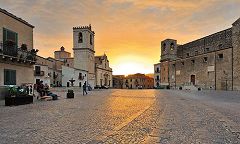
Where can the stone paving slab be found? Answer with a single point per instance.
(125, 116)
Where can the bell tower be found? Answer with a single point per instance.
(168, 50)
(83, 49)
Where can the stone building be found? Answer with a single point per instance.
(157, 75)
(211, 62)
(138, 80)
(62, 54)
(17, 55)
(102, 71)
(48, 70)
(118, 81)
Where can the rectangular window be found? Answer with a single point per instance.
(9, 35)
(37, 69)
(205, 59)
(188, 54)
(207, 50)
(196, 52)
(193, 61)
(9, 77)
(10, 42)
(220, 56)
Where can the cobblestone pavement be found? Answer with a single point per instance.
(126, 116)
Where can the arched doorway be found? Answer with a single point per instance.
(105, 79)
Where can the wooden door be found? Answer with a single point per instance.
(193, 79)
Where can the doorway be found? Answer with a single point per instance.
(193, 78)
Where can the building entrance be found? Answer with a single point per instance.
(193, 79)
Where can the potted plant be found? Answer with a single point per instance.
(18, 96)
(23, 47)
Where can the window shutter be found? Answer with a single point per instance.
(9, 77)
(4, 35)
(13, 77)
(16, 38)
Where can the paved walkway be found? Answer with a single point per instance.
(126, 116)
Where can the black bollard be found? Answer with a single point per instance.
(70, 94)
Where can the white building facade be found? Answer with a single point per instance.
(103, 71)
(41, 73)
(73, 77)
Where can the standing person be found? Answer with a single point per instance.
(85, 88)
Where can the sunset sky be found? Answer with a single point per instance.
(128, 31)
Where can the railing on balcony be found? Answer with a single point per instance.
(13, 52)
(38, 73)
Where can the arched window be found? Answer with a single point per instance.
(80, 38)
(172, 46)
(91, 39)
(164, 47)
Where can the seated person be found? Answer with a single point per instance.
(40, 89)
(46, 89)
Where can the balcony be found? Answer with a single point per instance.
(157, 71)
(11, 52)
(38, 73)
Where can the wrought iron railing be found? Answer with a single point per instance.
(38, 73)
(14, 52)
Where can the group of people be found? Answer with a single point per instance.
(42, 89)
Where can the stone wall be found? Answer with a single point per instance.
(3, 92)
(236, 54)
(157, 75)
(211, 62)
(203, 68)
(214, 42)
(164, 73)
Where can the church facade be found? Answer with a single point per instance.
(211, 62)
